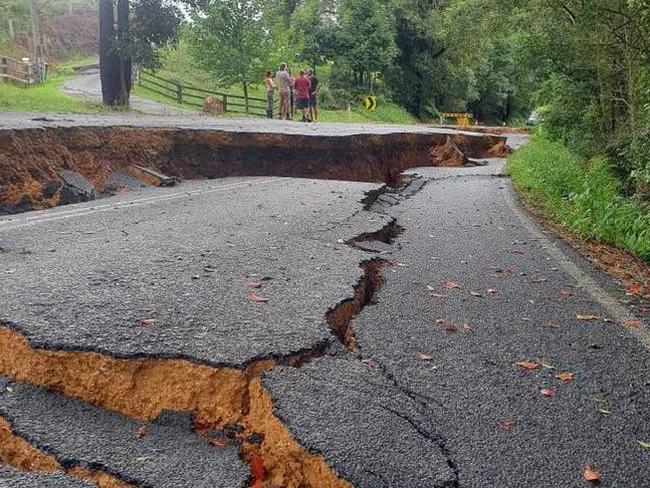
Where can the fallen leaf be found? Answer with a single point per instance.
(143, 431)
(218, 442)
(492, 291)
(254, 284)
(451, 327)
(634, 289)
(587, 317)
(450, 285)
(436, 295)
(476, 294)
(257, 299)
(632, 324)
(551, 325)
(604, 411)
(529, 365)
(146, 322)
(547, 392)
(367, 362)
(565, 376)
(517, 251)
(644, 445)
(467, 327)
(506, 424)
(424, 357)
(590, 474)
(567, 293)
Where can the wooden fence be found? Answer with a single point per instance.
(192, 96)
(23, 72)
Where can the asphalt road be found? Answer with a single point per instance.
(432, 398)
(87, 86)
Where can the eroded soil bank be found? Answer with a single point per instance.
(32, 160)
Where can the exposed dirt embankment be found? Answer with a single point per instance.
(31, 160)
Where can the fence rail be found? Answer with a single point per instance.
(23, 72)
(190, 95)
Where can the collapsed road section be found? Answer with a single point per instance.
(48, 162)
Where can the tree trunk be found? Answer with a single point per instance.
(109, 71)
(124, 88)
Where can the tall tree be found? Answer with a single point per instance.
(131, 32)
(231, 42)
(367, 39)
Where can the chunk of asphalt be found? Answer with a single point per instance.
(370, 431)
(163, 454)
(76, 188)
(12, 478)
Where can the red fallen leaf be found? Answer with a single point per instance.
(450, 285)
(634, 289)
(529, 365)
(506, 424)
(547, 392)
(257, 469)
(631, 324)
(517, 251)
(143, 431)
(567, 293)
(424, 357)
(218, 442)
(587, 317)
(367, 362)
(146, 322)
(590, 474)
(566, 376)
(257, 299)
(451, 327)
(254, 284)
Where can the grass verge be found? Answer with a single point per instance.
(45, 97)
(583, 197)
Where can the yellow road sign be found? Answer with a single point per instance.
(370, 102)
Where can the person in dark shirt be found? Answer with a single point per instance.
(313, 96)
(302, 87)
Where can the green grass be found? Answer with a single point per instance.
(45, 97)
(585, 197)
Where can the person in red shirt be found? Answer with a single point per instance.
(302, 87)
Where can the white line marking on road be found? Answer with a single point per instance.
(618, 312)
(83, 211)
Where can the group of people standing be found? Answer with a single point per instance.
(295, 93)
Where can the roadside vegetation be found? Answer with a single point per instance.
(46, 97)
(585, 197)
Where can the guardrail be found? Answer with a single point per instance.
(195, 97)
(23, 72)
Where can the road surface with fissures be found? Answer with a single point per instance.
(268, 332)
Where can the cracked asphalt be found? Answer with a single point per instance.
(432, 398)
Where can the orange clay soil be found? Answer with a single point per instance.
(143, 388)
(20, 454)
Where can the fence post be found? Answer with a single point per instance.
(179, 93)
(224, 99)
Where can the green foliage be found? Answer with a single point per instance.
(585, 197)
(366, 39)
(231, 42)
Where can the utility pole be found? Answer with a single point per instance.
(36, 31)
